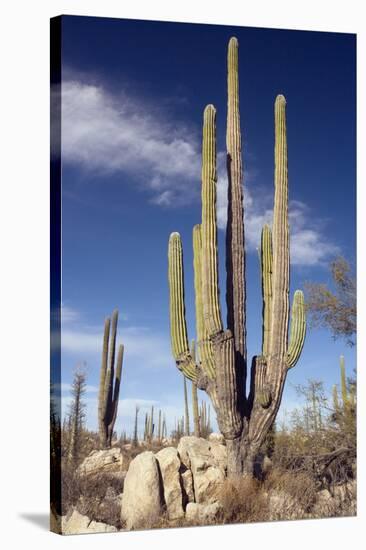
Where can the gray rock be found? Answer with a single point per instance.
(283, 506)
(203, 514)
(142, 499)
(196, 454)
(170, 464)
(101, 462)
(187, 482)
(78, 524)
(217, 437)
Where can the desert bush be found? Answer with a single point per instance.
(299, 486)
(243, 501)
(95, 496)
(99, 498)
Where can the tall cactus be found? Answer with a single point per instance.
(220, 368)
(196, 416)
(186, 408)
(110, 381)
(135, 440)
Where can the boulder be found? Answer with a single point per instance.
(103, 461)
(78, 524)
(187, 482)
(217, 437)
(219, 453)
(196, 454)
(283, 506)
(142, 499)
(201, 514)
(170, 464)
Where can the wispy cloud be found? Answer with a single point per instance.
(108, 133)
(118, 134)
(68, 314)
(308, 245)
(141, 344)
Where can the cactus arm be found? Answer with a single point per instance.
(203, 342)
(117, 385)
(262, 392)
(110, 370)
(335, 399)
(178, 327)
(297, 330)
(280, 243)
(266, 272)
(210, 289)
(196, 420)
(235, 250)
(186, 408)
(102, 400)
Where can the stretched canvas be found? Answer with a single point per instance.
(217, 385)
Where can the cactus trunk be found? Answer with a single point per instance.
(221, 365)
(110, 381)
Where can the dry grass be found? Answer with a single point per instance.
(242, 501)
(300, 487)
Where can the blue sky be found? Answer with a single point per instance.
(133, 95)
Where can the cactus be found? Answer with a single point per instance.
(220, 368)
(196, 418)
(186, 408)
(348, 394)
(159, 426)
(164, 428)
(110, 380)
(344, 392)
(135, 440)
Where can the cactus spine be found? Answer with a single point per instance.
(110, 380)
(221, 366)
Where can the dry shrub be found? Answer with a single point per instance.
(99, 498)
(343, 502)
(243, 501)
(297, 485)
(69, 487)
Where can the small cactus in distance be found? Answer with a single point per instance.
(110, 381)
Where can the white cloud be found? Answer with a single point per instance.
(68, 314)
(105, 133)
(119, 134)
(308, 246)
(141, 344)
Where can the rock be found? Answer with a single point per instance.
(283, 506)
(196, 454)
(203, 514)
(187, 482)
(77, 524)
(101, 462)
(217, 437)
(345, 491)
(169, 463)
(324, 496)
(142, 499)
(219, 453)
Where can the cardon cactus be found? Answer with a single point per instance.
(220, 368)
(110, 381)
